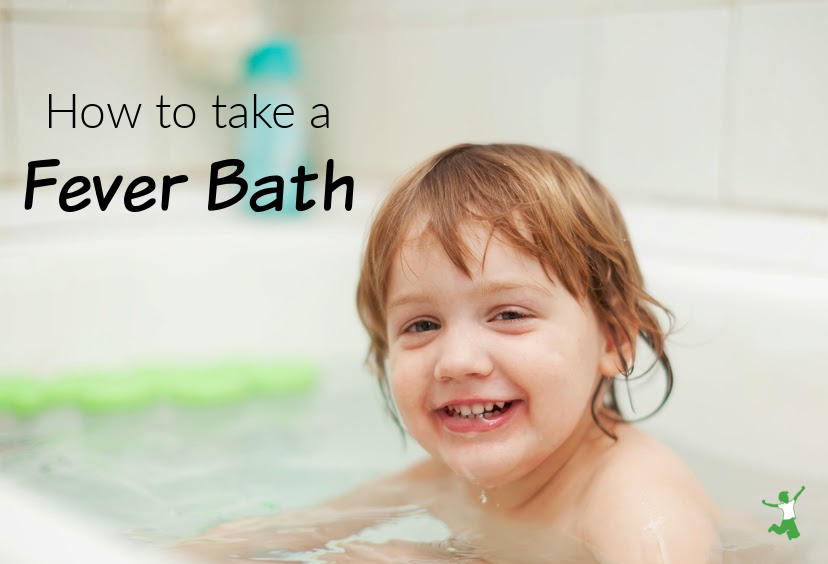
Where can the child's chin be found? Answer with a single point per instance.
(483, 473)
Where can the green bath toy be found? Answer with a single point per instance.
(191, 385)
(22, 396)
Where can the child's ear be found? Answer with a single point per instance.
(616, 344)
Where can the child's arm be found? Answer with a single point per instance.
(799, 492)
(302, 530)
(773, 504)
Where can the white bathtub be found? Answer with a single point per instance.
(750, 292)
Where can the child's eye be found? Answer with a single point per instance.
(421, 326)
(511, 315)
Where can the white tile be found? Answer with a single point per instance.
(656, 102)
(435, 92)
(128, 6)
(535, 94)
(777, 144)
(99, 65)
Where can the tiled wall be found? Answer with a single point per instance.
(688, 102)
(703, 102)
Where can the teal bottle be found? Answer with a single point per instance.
(273, 76)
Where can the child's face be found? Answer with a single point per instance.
(506, 335)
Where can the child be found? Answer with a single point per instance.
(502, 297)
(788, 524)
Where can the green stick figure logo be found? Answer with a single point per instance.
(788, 524)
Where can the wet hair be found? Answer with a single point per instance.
(541, 202)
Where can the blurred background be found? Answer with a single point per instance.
(702, 105)
(706, 119)
(700, 102)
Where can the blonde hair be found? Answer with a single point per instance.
(541, 202)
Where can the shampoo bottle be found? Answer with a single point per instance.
(273, 77)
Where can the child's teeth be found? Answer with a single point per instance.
(477, 410)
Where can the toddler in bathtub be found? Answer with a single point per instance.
(502, 298)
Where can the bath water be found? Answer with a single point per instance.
(166, 473)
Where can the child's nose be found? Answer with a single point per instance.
(462, 354)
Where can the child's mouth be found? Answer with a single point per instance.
(478, 417)
(489, 410)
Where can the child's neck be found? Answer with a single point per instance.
(566, 464)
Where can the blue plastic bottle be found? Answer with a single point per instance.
(273, 76)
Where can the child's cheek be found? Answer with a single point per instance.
(402, 380)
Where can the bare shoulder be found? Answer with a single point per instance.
(644, 505)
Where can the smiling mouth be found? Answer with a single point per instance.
(478, 411)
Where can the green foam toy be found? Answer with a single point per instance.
(191, 385)
(22, 396)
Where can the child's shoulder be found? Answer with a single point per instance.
(638, 456)
(644, 504)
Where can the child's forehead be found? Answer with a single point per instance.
(415, 231)
(483, 249)
(421, 236)
(419, 231)
(492, 258)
